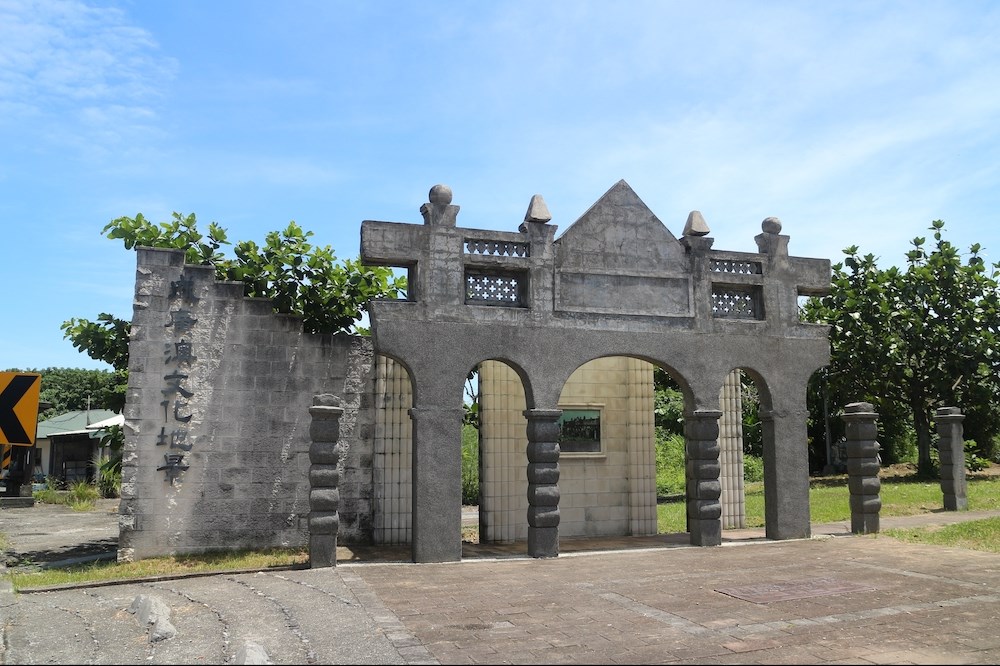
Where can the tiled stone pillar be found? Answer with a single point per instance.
(951, 455)
(704, 510)
(503, 482)
(641, 433)
(543, 482)
(861, 432)
(391, 475)
(324, 496)
(731, 452)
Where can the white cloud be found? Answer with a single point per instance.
(76, 76)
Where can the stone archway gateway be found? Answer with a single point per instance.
(616, 283)
(218, 411)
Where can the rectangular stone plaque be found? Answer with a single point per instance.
(623, 294)
(765, 593)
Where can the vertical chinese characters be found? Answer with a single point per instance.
(178, 357)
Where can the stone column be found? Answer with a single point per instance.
(543, 482)
(861, 432)
(437, 484)
(951, 455)
(786, 470)
(324, 496)
(704, 510)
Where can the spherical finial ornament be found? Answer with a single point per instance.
(440, 194)
(771, 225)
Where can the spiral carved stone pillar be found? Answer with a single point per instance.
(324, 496)
(861, 431)
(951, 455)
(543, 482)
(704, 509)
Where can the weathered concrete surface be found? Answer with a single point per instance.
(46, 534)
(928, 605)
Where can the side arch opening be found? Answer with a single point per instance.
(743, 444)
(392, 454)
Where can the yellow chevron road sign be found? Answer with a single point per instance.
(19, 407)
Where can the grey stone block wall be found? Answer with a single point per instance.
(217, 417)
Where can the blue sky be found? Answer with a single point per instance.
(853, 122)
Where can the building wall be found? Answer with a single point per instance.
(609, 493)
(223, 384)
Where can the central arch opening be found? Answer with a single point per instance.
(615, 432)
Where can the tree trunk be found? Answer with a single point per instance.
(922, 427)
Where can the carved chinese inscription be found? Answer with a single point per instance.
(178, 356)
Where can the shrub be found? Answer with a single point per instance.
(470, 465)
(108, 474)
(973, 461)
(753, 468)
(48, 496)
(670, 470)
(82, 496)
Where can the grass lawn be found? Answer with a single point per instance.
(902, 495)
(829, 500)
(976, 534)
(160, 566)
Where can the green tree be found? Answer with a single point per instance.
(104, 340)
(68, 389)
(916, 338)
(668, 403)
(306, 280)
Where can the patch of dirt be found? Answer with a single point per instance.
(910, 469)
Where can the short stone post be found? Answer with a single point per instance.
(951, 456)
(861, 433)
(704, 509)
(543, 481)
(324, 496)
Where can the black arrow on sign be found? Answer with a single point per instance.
(9, 423)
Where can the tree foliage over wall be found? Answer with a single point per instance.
(913, 339)
(300, 278)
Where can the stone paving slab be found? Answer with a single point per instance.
(925, 605)
(640, 600)
(766, 593)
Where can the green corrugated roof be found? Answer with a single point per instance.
(75, 421)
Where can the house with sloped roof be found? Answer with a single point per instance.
(66, 445)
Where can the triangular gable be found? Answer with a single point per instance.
(620, 233)
(618, 258)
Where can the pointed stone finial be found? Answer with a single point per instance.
(695, 225)
(771, 225)
(537, 210)
(440, 211)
